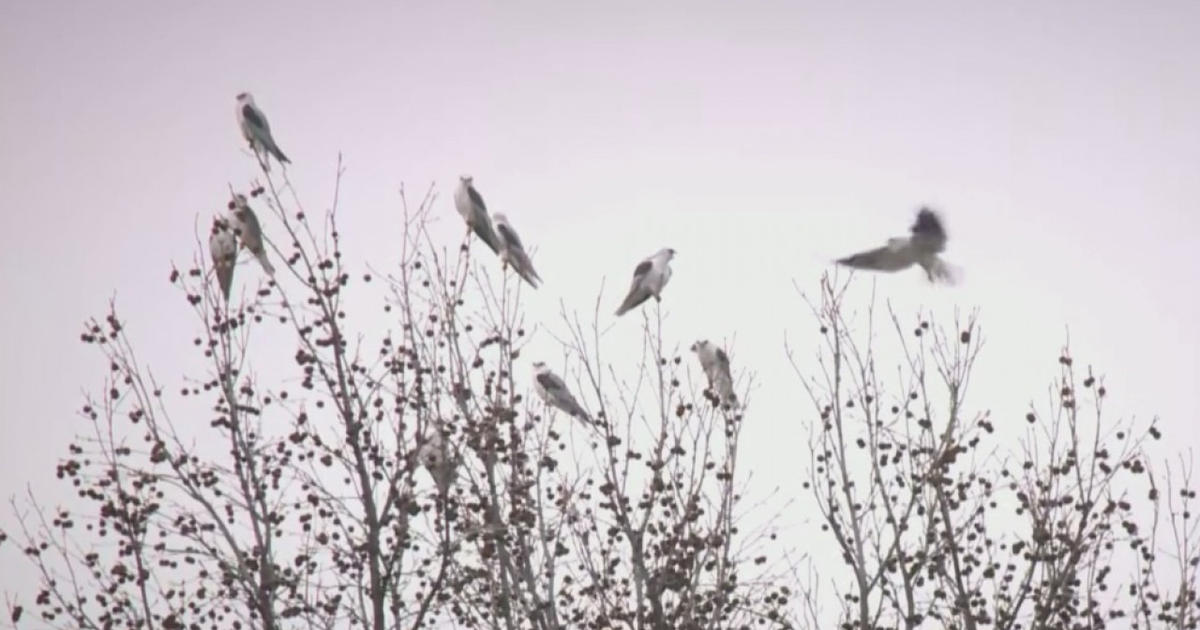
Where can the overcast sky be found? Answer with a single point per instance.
(760, 140)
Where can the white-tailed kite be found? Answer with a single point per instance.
(435, 456)
(716, 367)
(512, 252)
(222, 246)
(256, 130)
(554, 392)
(250, 230)
(928, 239)
(470, 205)
(649, 278)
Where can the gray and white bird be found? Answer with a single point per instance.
(649, 278)
(222, 246)
(436, 456)
(257, 130)
(512, 252)
(716, 367)
(928, 239)
(554, 392)
(470, 205)
(250, 230)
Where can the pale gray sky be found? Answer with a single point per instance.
(760, 140)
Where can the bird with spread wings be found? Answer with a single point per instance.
(921, 247)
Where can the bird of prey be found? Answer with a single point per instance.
(222, 246)
(928, 239)
(554, 392)
(470, 205)
(649, 278)
(512, 252)
(716, 367)
(256, 130)
(434, 454)
(250, 230)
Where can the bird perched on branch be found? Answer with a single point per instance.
(222, 246)
(512, 252)
(250, 230)
(257, 131)
(470, 205)
(928, 239)
(716, 367)
(649, 278)
(554, 392)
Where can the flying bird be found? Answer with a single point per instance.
(716, 367)
(250, 230)
(222, 246)
(649, 278)
(256, 130)
(470, 205)
(928, 239)
(512, 252)
(554, 391)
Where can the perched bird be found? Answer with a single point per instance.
(434, 454)
(470, 205)
(222, 246)
(512, 252)
(554, 391)
(250, 231)
(649, 279)
(716, 367)
(928, 239)
(256, 130)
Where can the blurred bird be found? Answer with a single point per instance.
(554, 392)
(222, 246)
(512, 252)
(470, 205)
(257, 131)
(928, 239)
(716, 367)
(250, 231)
(649, 278)
(434, 454)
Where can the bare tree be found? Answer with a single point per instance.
(330, 468)
(938, 526)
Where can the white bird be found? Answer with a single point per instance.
(554, 392)
(256, 130)
(250, 230)
(470, 205)
(222, 246)
(716, 367)
(512, 252)
(928, 239)
(649, 278)
(435, 456)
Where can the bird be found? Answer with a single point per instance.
(256, 130)
(928, 239)
(554, 392)
(716, 367)
(222, 246)
(649, 278)
(512, 252)
(470, 205)
(434, 454)
(250, 231)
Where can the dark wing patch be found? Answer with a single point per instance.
(642, 269)
(722, 358)
(475, 198)
(507, 235)
(550, 382)
(252, 117)
(928, 224)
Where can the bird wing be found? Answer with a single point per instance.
(255, 118)
(476, 198)
(508, 236)
(724, 377)
(638, 291)
(890, 257)
(928, 234)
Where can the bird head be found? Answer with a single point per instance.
(666, 253)
(466, 179)
(244, 97)
(538, 366)
(239, 201)
(498, 217)
(699, 344)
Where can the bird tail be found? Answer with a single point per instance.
(278, 153)
(488, 235)
(941, 271)
(524, 268)
(261, 255)
(632, 301)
